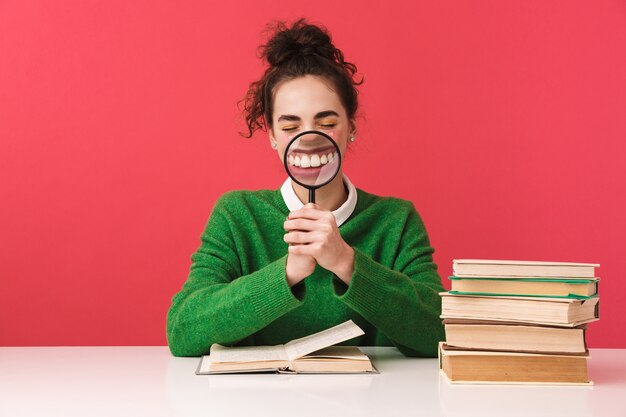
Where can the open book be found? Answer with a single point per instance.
(310, 354)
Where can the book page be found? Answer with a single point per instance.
(305, 345)
(221, 353)
(336, 352)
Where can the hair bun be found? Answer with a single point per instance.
(300, 40)
(296, 51)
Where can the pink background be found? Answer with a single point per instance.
(503, 121)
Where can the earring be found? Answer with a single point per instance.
(274, 145)
(352, 138)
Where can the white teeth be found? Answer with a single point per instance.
(314, 160)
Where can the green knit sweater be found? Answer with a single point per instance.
(237, 293)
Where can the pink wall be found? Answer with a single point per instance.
(503, 121)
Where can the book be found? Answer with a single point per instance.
(518, 337)
(505, 268)
(470, 366)
(566, 312)
(311, 354)
(545, 287)
(518, 322)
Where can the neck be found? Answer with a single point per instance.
(329, 197)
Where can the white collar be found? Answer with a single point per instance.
(341, 214)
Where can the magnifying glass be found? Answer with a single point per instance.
(312, 159)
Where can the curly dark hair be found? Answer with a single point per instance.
(293, 52)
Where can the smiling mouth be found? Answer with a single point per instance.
(311, 159)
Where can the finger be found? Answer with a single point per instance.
(300, 224)
(301, 249)
(299, 237)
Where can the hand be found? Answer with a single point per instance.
(298, 268)
(313, 231)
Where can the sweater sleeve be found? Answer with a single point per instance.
(403, 301)
(216, 303)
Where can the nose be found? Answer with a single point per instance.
(312, 140)
(309, 137)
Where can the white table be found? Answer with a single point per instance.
(148, 381)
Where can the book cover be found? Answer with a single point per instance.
(529, 287)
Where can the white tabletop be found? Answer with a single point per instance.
(138, 381)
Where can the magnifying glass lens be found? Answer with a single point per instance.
(312, 159)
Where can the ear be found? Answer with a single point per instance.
(271, 134)
(352, 126)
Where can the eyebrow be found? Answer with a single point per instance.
(320, 115)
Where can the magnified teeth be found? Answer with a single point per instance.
(314, 160)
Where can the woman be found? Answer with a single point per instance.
(271, 269)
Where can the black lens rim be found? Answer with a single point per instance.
(286, 158)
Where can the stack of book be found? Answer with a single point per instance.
(518, 321)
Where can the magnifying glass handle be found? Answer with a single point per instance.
(311, 195)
